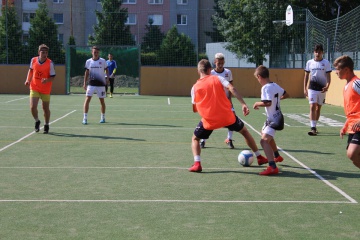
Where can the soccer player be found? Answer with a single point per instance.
(94, 71)
(220, 70)
(319, 70)
(111, 64)
(40, 77)
(210, 101)
(271, 94)
(344, 68)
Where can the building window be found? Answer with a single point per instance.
(26, 38)
(98, 1)
(58, 1)
(61, 38)
(35, 0)
(181, 19)
(129, 1)
(156, 19)
(155, 1)
(28, 16)
(58, 18)
(131, 19)
(182, 2)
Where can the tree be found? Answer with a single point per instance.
(176, 49)
(111, 29)
(215, 34)
(44, 30)
(10, 36)
(152, 39)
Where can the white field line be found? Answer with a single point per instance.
(16, 99)
(164, 201)
(26, 136)
(339, 115)
(311, 171)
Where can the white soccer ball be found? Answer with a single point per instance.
(246, 158)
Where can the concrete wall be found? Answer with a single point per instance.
(12, 79)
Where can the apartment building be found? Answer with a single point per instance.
(77, 17)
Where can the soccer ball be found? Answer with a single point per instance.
(246, 158)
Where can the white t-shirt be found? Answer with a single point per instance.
(227, 75)
(96, 71)
(318, 71)
(272, 92)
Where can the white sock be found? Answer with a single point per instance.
(85, 115)
(257, 153)
(230, 134)
(197, 158)
(103, 116)
(313, 123)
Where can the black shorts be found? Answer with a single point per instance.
(202, 133)
(353, 138)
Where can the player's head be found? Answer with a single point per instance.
(219, 61)
(43, 52)
(204, 66)
(43, 47)
(343, 65)
(110, 56)
(318, 52)
(261, 71)
(95, 52)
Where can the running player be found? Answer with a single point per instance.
(319, 70)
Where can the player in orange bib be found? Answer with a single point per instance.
(210, 101)
(344, 68)
(40, 77)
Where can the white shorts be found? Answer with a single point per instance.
(316, 97)
(100, 90)
(268, 130)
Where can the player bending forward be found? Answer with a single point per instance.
(210, 101)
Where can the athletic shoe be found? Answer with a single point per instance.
(110, 95)
(261, 160)
(84, 121)
(229, 143)
(202, 143)
(196, 167)
(46, 129)
(279, 159)
(270, 171)
(313, 132)
(102, 120)
(37, 126)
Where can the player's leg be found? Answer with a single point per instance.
(111, 86)
(34, 101)
(229, 140)
(353, 150)
(239, 126)
(313, 95)
(277, 156)
(202, 143)
(266, 138)
(199, 133)
(45, 98)
(101, 93)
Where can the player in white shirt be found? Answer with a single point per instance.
(94, 72)
(319, 70)
(271, 94)
(219, 70)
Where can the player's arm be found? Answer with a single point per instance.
(107, 76)
(192, 93)
(265, 103)
(328, 81)
(285, 95)
(238, 96)
(86, 76)
(306, 80)
(29, 77)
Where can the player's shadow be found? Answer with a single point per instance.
(71, 135)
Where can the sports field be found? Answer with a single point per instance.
(128, 178)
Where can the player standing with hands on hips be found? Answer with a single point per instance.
(40, 77)
(271, 94)
(319, 70)
(210, 101)
(344, 68)
(94, 71)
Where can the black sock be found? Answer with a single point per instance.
(272, 164)
(276, 154)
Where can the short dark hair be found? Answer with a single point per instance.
(318, 47)
(204, 65)
(96, 47)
